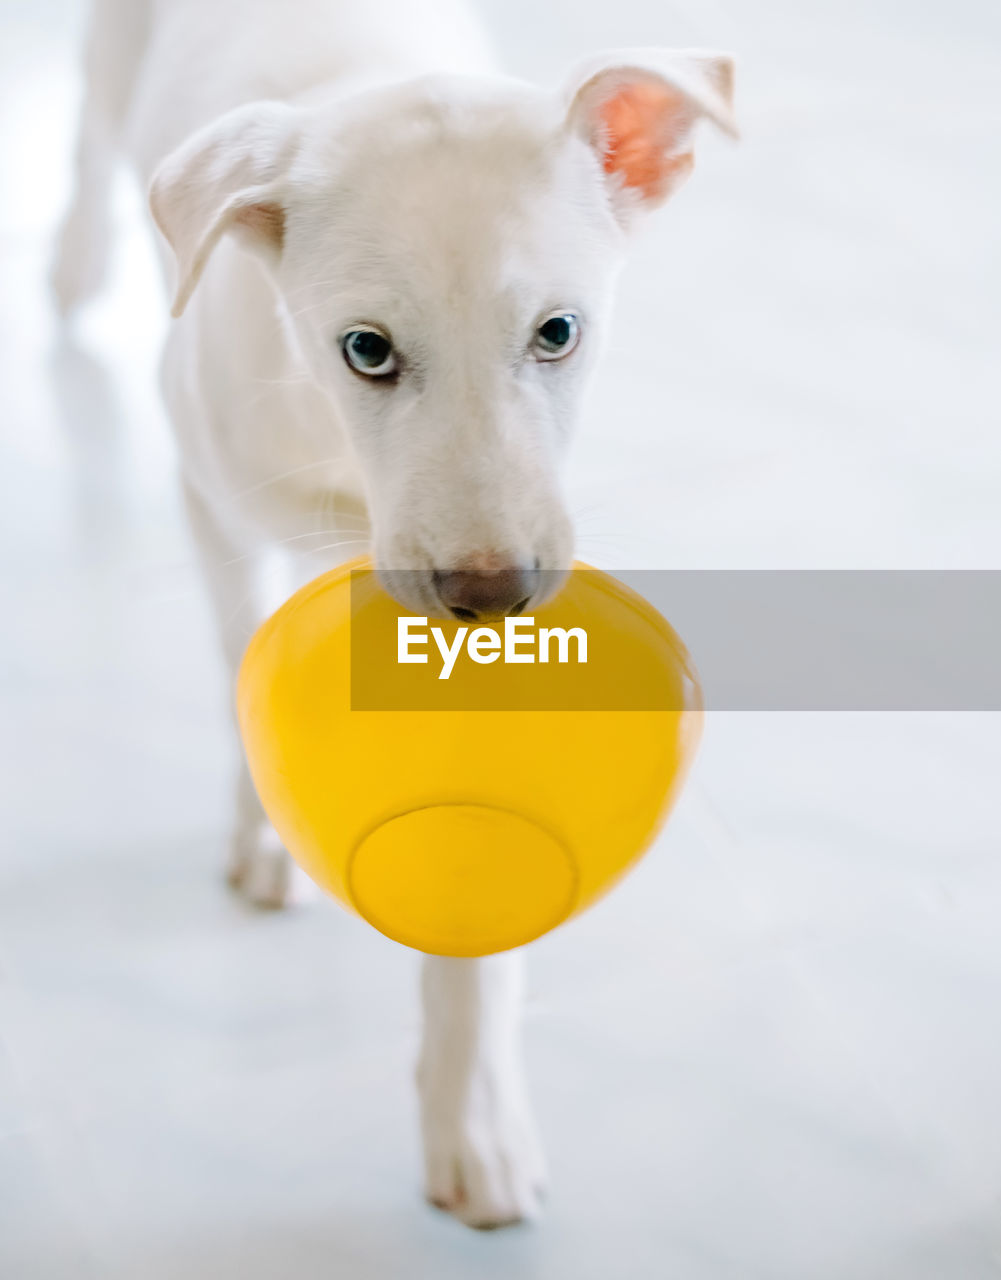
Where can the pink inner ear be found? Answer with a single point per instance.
(265, 219)
(643, 123)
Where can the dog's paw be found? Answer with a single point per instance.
(487, 1172)
(261, 871)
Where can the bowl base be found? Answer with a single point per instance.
(462, 879)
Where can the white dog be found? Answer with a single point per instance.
(393, 271)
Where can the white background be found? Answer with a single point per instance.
(775, 1052)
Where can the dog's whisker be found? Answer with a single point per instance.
(625, 535)
(357, 542)
(305, 311)
(285, 475)
(269, 570)
(284, 542)
(315, 284)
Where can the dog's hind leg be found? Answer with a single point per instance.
(116, 42)
(258, 865)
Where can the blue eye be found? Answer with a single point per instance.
(369, 351)
(557, 336)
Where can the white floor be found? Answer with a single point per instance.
(775, 1053)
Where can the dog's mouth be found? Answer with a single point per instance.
(488, 615)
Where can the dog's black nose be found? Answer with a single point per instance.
(472, 594)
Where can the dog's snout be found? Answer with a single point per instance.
(496, 592)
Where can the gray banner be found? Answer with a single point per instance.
(768, 640)
(833, 640)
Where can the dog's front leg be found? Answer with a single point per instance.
(483, 1161)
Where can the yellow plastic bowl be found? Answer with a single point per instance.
(469, 815)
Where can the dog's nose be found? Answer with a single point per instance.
(472, 594)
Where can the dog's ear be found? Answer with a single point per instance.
(637, 109)
(229, 176)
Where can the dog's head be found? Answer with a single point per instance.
(445, 251)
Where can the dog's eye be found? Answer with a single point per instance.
(557, 336)
(370, 352)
